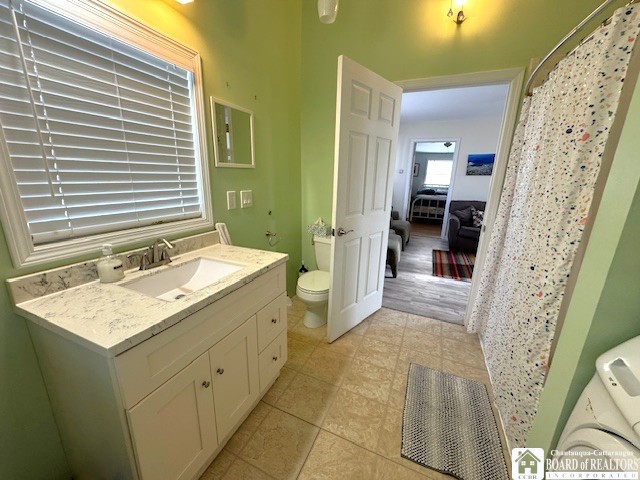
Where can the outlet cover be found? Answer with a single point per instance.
(246, 198)
(231, 200)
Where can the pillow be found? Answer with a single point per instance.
(465, 215)
(478, 216)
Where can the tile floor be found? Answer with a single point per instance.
(335, 412)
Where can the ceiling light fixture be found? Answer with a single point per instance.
(184, 2)
(327, 10)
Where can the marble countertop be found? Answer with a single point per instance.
(110, 319)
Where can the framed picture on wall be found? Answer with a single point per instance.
(480, 163)
(416, 169)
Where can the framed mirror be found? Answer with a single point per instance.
(232, 135)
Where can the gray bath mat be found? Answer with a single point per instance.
(448, 425)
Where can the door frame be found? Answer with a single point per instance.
(407, 196)
(514, 79)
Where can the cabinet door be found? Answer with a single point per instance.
(234, 368)
(174, 428)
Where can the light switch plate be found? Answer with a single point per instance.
(246, 198)
(231, 200)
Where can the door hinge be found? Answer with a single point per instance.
(333, 232)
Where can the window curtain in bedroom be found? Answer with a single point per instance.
(554, 163)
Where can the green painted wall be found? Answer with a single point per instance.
(251, 57)
(275, 58)
(605, 306)
(407, 39)
(30, 447)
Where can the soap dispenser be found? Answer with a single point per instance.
(109, 268)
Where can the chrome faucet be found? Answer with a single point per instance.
(144, 258)
(155, 255)
(158, 253)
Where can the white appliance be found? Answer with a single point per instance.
(606, 417)
(313, 287)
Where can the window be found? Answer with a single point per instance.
(100, 130)
(438, 172)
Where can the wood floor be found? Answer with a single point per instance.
(417, 291)
(423, 228)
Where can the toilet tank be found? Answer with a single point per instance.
(323, 252)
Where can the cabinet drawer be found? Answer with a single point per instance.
(272, 359)
(272, 320)
(147, 366)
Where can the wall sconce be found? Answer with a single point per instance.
(327, 10)
(460, 17)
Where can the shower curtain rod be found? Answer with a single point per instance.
(577, 29)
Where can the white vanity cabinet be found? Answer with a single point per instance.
(174, 428)
(164, 408)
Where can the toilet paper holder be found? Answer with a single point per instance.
(271, 236)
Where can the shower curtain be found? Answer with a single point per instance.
(551, 174)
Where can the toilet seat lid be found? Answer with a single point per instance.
(316, 281)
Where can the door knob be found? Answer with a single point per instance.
(206, 384)
(342, 231)
(220, 371)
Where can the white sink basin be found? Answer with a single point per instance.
(174, 283)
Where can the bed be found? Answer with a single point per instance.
(428, 207)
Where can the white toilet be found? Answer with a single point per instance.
(313, 287)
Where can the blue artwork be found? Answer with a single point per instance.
(480, 163)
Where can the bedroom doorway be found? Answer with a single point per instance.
(434, 162)
(477, 112)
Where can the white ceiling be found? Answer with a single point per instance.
(454, 103)
(435, 147)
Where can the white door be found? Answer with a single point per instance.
(367, 122)
(174, 428)
(234, 367)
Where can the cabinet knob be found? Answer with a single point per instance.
(206, 384)
(275, 359)
(220, 371)
(274, 320)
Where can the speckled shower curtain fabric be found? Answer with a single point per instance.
(554, 162)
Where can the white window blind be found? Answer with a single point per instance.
(101, 136)
(438, 172)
